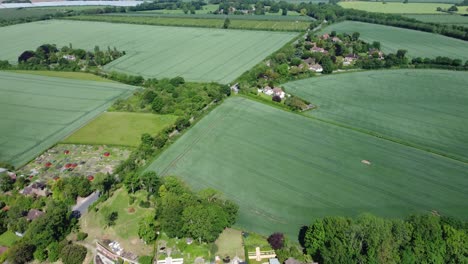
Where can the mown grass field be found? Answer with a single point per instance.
(210, 22)
(8, 238)
(442, 19)
(417, 43)
(285, 169)
(120, 128)
(14, 13)
(197, 54)
(38, 111)
(398, 8)
(428, 108)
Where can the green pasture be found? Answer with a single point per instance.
(36, 12)
(442, 19)
(120, 128)
(417, 43)
(268, 16)
(8, 238)
(197, 54)
(208, 21)
(284, 169)
(38, 111)
(67, 75)
(206, 9)
(428, 108)
(398, 8)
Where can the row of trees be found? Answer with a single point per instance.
(181, 212)
(371, 239)
(49, 57)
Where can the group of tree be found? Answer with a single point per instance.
(370, 239)
(180, 212)
(169, 5)
(49, 57)
(25, 251)
(173, 96)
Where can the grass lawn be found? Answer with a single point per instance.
(417, 43)
(399, 8)
(38, 111)
(442, 19)
(125, 230)
(229, 243)
(120, 128)
(8, 238)
(197, 54)
(408, 105)
(180, 249)
(285, 169)
(68, 75)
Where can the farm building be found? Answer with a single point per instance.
(318, 49)
(278, 92)
(36, 189)
(349, 59)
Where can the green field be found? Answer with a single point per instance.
(120, 128)
(285, 169)
(399, 8)
(442, 19)
(18, 13)
(38, 111)
(428, 108)
(8, 238)
(211, 22)
(268, 16)
(67, 75)
(418, 43)
(197, 54)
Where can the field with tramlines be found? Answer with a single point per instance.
(417, 43)
(399, 8)
(197, 54)
(37, 111)
(285, 169)
(442, 19)
(427, 108)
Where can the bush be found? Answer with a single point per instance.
(276, 241)
(73, 254)
(276, 98)
(81, 236)
(144, 204)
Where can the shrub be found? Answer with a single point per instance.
(73, 254)
(276, 98)
(276, 241)
(145, 204)
(81, 236)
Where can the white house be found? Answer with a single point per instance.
(268, 91)
(279, 92)
(316, 68)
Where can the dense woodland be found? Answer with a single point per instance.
(371, 239)
(180, 212)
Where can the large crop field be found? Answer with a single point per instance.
(428, 108)
(398, 8)
(208, 21)
(197, 54)
(38, 111)
(418, 44)
(285, 169)
(120, 128)
(442, 19)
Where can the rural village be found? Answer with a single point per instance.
(233, 131)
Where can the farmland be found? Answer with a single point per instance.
(197, 54)
(37, 111)
(398, 8)
(120, 128)
(442, 19)
(418, 44)
(416, 110)
(285, 169)
(211, 22)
